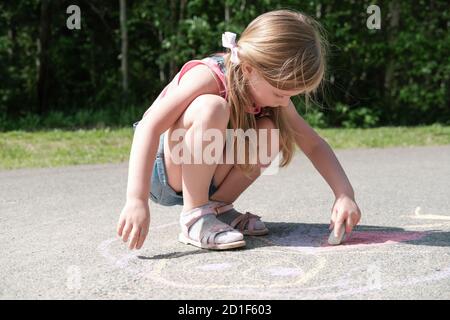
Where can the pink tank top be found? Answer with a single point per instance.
(216, 64)
(217, 67)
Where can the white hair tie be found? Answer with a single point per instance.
(229, 41)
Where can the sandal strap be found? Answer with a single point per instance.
(208, 236)
(188, 218)
(241, 221)
(223, 208)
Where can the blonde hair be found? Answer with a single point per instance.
(288, 50)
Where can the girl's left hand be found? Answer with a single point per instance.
(344, 211)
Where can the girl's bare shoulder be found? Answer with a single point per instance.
(202, 74)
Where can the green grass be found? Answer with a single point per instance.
(19, 149)
(385, 137)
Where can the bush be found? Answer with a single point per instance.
(361, 117)
(29, 122)
(315, 118)
(56, 119)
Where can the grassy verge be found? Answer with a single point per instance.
(385, 137)
(53, 148)
(60, 148)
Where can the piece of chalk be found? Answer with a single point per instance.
(333, 240)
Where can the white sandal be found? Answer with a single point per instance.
(207, 236)
(244, 222)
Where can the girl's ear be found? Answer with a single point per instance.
(246, 70)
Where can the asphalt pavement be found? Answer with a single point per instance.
(58, 238)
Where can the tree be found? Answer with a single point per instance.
(124, 54)
(43, 56)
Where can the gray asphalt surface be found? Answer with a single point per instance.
(58, 241)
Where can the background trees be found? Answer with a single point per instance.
(110, 71)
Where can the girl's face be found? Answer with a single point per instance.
(264, 94)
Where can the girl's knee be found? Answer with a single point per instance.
(211, 110)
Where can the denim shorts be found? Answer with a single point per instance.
(161, 192)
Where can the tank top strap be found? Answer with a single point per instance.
(220, 61)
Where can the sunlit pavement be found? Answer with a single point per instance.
(58, 236)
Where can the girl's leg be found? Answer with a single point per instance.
(205, 112)
(196, 178)
(230, 180)
(232, 185)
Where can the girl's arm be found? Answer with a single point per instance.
(320, 154)
(157, 119)
(134, 219)
(324, 160)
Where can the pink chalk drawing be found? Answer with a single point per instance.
(314, 238)
(285, 272)
(379, 237)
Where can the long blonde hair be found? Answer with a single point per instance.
(288, 49)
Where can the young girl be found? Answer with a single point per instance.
(279, 55)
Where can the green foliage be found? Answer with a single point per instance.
(398, 75)
(30, 122)
(361, 117)
(315, 118)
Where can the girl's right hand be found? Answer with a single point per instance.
(134, 221)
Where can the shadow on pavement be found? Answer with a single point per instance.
(173, 255)
(310, 236)
(316, 235)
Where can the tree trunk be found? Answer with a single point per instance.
(124, 53)
(394, 18)
(12, 34)
(43, 60)
(180, 18)
(172, 65)
(162, 74)
(227, 13)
